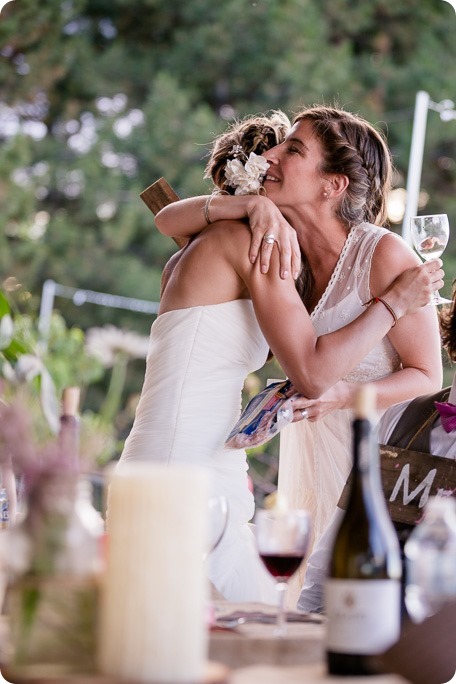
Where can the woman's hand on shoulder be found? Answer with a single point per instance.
(265, 221)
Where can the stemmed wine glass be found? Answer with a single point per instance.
(430, 237)
(217, 511)
(282, 538)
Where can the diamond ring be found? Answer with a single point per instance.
(304, 413)
(269, 239)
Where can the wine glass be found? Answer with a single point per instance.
(430, 237)
(217, 510)
(282, 538)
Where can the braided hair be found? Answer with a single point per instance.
(353, 147)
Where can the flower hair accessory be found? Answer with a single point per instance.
(237, 151)
(246, 178)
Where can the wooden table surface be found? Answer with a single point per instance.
(302, 674)
(251, 654)
(254, 656)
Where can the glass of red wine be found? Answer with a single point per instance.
(282, 538)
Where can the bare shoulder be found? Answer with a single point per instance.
(230, 239)
(228, 231)
(393, 246)
(391, 257)
(208, 272)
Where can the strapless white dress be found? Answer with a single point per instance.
(197, 362)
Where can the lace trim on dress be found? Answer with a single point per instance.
(335, 274)
(385, 363)
(378, 237)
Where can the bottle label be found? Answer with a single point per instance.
(363, 615)
(4, 509)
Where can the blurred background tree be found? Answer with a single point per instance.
(98, 99)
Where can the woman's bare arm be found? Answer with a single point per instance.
(416, 339)
(421, 372)
(315, 364)
(187, 217)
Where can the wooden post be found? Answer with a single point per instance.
(159, 195)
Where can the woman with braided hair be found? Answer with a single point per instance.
(219, 315)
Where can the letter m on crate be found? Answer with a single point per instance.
(409, 478)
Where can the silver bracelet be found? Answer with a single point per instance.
(207, 204)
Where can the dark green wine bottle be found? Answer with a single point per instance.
(363, 592)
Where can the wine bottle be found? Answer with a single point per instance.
(363, 590)
(4, 509)
(69, 428)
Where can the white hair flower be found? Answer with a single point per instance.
(246, 178)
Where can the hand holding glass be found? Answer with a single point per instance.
(282, 539)
(430, 237)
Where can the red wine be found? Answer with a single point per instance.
(282, 565)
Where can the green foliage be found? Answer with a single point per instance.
(66, 358)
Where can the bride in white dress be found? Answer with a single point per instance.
(219, 315)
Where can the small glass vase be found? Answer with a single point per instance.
(52, 603)
(52, 627)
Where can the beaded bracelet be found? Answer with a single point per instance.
(374, 300)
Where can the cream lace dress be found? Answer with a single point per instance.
(315, 457)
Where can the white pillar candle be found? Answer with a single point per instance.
(152, 623)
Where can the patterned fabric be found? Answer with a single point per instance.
(264, 416)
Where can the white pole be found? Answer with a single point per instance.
(47, 304)
(415, 161)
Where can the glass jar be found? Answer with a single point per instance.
(52, 601)
(430, 554)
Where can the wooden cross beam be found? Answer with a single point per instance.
(159, 195)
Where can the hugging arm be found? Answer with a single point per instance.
(187, 217)
(313, 363)
(415, 338)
